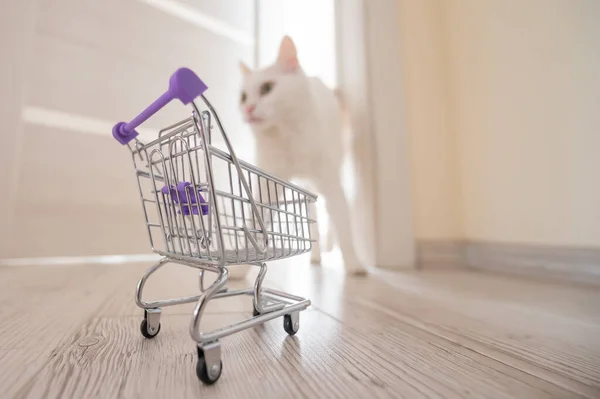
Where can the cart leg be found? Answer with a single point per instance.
(209, 366)
(201, 283)
(201, 280)
(206, 296)
(257, 299)
(140, 286)
(150, 326)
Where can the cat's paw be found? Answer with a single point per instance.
(329, 241)
(356, 269)
(315, 259)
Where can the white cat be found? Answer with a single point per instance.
(297, 124)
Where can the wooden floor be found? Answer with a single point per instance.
(73, 332)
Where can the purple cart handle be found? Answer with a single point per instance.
(183, 85)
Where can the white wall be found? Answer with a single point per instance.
(503, 100)
(17, 21)
(435, 188)
(524, 106)
(91, 66)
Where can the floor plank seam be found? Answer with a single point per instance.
(74, 332)
(490, 348)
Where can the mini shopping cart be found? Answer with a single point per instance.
(206, 209)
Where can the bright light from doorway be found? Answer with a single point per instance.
(310, 23)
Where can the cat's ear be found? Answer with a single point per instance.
(288, 57)
(244, 68)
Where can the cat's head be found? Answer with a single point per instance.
(268, 94)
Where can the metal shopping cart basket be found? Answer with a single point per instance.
(206, 209)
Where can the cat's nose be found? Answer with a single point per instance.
(250, 109)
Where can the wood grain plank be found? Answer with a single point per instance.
(41, 309)
(109, 358)
(498, 318)
(74, 332)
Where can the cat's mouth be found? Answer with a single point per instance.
(254, 120)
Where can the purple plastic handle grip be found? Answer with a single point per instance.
(184, 85)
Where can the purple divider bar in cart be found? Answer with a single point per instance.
(184, 85)
(182, 192)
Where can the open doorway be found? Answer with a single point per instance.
(310, 23)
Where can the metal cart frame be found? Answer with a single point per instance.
(237, 224)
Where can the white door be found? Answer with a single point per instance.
(88, 65)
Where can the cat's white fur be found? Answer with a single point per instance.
(299, 135)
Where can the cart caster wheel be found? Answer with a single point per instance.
(145, 330)
(291, 323)
(209, 371)
(150, 326)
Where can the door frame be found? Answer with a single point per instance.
(369, 60)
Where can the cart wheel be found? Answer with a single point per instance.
(202, 369)
(150, 326)
(145, 332)
(255, 312)
(291, 323)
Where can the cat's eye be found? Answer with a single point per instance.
(266, 88)
(243, 97)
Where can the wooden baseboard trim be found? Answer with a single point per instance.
(440, 254)
(553, 262)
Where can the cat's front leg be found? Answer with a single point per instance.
(329, 239)
(341, 218)
(315, 252)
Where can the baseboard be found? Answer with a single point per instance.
(552, 262)
(440, 253)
